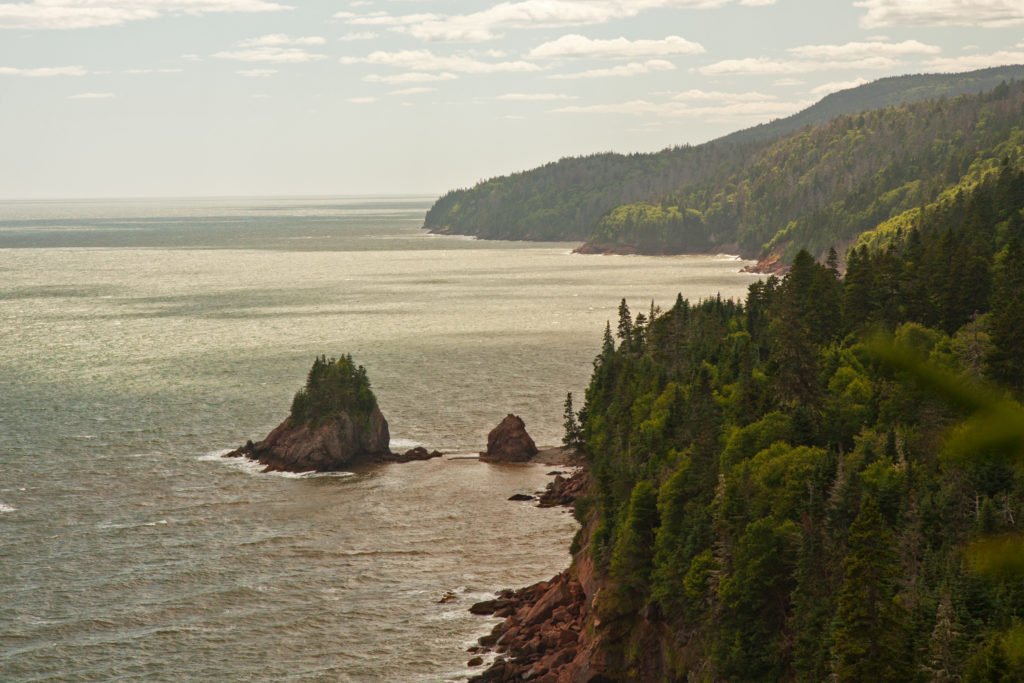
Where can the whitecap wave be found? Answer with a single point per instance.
(4, 507)
(403, 444)
(255, 468)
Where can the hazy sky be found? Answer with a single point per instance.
(113, 98)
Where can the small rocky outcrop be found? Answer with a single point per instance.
(334, 424)
(562, 491)
(509, 442)
(337, 443)
(411, 455)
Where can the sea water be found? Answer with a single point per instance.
(140, 339)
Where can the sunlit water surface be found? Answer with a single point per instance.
(140, 339)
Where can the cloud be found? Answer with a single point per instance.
(631, 69)
(489, 23)
(410, 77)
(724, 97)
(92, 96)
(425, 60)
(976, 61)
(362, 100)
(78, 14)
(275, 48)
(44, 71)
(986, 13)
(787, 82)
(257, 73)
(280, 40)
(412, 91)
(735, 111)
(865, 55)
(533, 97)
(136, 72)
(864, 49)
(836, 86)
(574, 45)
(766, 66)
(358, 35)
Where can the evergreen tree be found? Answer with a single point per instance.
(869, 636)
(573, 433)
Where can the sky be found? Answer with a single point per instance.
(157, 98)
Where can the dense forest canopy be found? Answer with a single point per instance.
(774, 500)
(816, 179)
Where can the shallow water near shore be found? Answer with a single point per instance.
(141, 339)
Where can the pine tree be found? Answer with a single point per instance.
(625, 331)
(573, 433)
(869, 635)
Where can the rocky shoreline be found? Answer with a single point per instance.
(544, 636)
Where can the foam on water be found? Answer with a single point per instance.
(255, 468)
(4, 507)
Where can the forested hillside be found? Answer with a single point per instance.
(772, 500)
(757, 192)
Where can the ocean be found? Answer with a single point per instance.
(142, 339)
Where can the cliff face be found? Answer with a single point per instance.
(336, 443)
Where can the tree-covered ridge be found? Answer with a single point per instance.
(771, 499)
(885, 92)
(781, 187)
(333, 385)
(827, 184)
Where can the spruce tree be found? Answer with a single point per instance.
(869, 634)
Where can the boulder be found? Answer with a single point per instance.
(509, 442)
(336, 443)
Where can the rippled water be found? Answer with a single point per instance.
(139, 339)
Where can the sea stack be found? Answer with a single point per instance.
(335, 424)
(509, 442)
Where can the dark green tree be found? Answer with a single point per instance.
(869, 636)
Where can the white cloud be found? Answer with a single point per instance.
(257, 73)
(79, 14)
(488, 24)
(862, 50)
(975, 61)
(134, 72)
(836, 86)
(631, 69)
(410, 77)
(787, 82)
(280, 40)
(716, 96)
(275, 48)
(574, 45)
(358, 35)
(44, 71)
(533, 97)
(362, 100)
(734, 111)
(412, 91)
(987, 13)
(92, 96)
(425, 60)
(765, 66)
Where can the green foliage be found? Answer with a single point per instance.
(780, 496)
(333, 385)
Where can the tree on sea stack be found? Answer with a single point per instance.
(333, 385)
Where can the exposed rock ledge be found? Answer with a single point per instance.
(337, 443)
